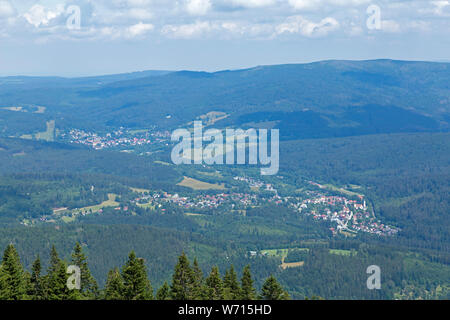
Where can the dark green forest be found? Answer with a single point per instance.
(407, 176)
(130, 282)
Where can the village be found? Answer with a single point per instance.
(350, 216)
(117, 139)
(200, 201)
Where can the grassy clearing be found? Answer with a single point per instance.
(200, 185)
(140, 190)
(40, 110)
(111, 202)
(282, 253)
(215, 174)
(286, 265)
(212, 117)
(68, 219)
(340, 252)
(348, 233)
(16, 109)
(59, 211)
(262, 230)
(49, 134)
(146, 206)
(20, 154)
(162, 162)
(341, 190)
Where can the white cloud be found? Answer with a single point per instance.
(139, 29)
(6, 9)
(319, 4)
(298, 24)
(304, 4)
(187, 31)
(224, 19)
(259, 30)
(354, 29)
(440, 7)
(38, 15)
(198, 7)
(390, 26)
(253, 3)
(139, 3)
(140, 13)
(349, 3)
(419, 25)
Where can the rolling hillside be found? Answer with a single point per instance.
(361, 97)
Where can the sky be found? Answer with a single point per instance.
(92, 37)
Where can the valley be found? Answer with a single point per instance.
(362, 180)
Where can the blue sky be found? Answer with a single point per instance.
(131, 35)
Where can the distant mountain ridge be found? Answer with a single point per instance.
(341, 97)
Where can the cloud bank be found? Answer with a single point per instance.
(111, 20)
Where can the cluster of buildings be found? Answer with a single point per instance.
(349, 215)
(253, 183)
(205, 201)
(115, 139)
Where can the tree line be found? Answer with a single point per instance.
(130, 282)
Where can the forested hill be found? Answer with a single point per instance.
(361, 97)
(407, 176)
(23, 156)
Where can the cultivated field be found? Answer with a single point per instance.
(111, 202)
(286, 265)
(200, 185)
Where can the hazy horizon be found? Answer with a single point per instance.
(208, 71)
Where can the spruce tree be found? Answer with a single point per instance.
(272, 290)
(114, 285)
(199, 288)
(214, 285)
(163, 292)
(136, 285)
(12, 280)
(36, 286)
(27, 284)
(89, 287)
(248, 292)
(232, 290)
(2, 283)
(182, 287)
(56, 280)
